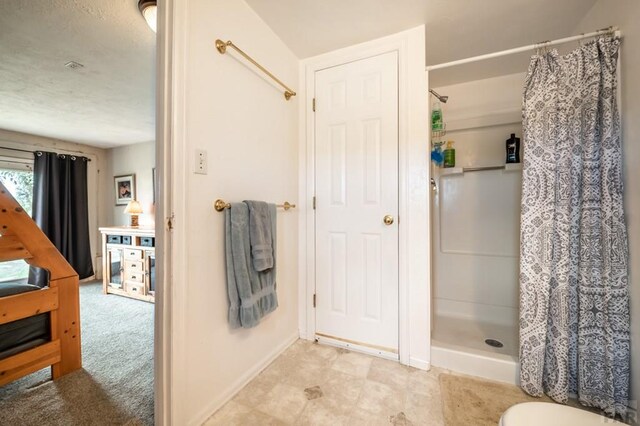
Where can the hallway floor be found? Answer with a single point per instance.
(312, 384)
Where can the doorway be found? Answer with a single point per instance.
(356, 228)
(87, 94)
(411, 300)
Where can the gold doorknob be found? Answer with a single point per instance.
(388, 220)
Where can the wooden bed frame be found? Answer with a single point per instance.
(20, 238)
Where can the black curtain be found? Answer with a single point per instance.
(61, 210)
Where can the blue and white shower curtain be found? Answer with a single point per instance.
(574, 293)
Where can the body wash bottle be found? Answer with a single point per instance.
(513, 149)
(449, 155)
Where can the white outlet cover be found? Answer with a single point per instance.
(200, 165)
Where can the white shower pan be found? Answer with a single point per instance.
(458, 344)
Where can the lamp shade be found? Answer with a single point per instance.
(133, 207)
(149, 10)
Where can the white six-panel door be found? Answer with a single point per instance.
(356, 143)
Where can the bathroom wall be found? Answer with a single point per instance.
(476, 214)
(138, 159)
(625, 14)
(234, 112)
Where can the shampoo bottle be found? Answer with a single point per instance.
(436, 116)
(513, 149)
(449, 155)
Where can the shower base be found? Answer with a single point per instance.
(458, 344)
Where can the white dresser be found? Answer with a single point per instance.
(129, 262)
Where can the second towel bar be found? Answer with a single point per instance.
(220, 205)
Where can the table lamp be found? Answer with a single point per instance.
(134, 209)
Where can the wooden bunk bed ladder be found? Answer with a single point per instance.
(21, 238)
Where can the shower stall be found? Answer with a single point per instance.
(475, 227)
(475, 213)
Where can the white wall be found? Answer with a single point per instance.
(228, 108)
(477, 214)
(138, 159)
(96, 178)
(626, 15)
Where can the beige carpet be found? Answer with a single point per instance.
(115, 387)
(469, 401)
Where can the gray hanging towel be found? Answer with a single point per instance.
(252, 294)
(260, 236)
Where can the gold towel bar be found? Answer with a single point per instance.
(222, 48)
(220, 205)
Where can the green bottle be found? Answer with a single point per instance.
(436, 116)
(449, 155)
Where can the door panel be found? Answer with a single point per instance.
(338, 278)
(356, 186)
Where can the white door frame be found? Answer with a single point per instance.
(170, 294)
(162, 331)
(413, 219)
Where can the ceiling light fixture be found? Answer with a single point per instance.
(149, 10)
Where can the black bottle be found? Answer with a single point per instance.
(513, 149)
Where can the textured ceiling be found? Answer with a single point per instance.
(111, 100)
(455, 29)
(108, 102)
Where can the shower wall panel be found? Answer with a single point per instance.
(476, 215)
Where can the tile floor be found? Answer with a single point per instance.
(312, 384)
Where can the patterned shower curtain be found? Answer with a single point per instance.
(574, 294)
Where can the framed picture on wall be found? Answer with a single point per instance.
(125, 189)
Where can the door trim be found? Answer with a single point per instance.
(163, 327)
(414, 233)
(171, 243)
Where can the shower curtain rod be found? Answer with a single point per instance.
(610, 30)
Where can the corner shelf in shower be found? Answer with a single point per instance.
(511, 167)
(450, 171)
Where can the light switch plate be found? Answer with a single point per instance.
(200, 165)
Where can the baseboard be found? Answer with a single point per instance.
(303, 334)
(242, 381)
(419, 364)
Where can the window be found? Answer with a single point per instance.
(20, 185)
(16, 174)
